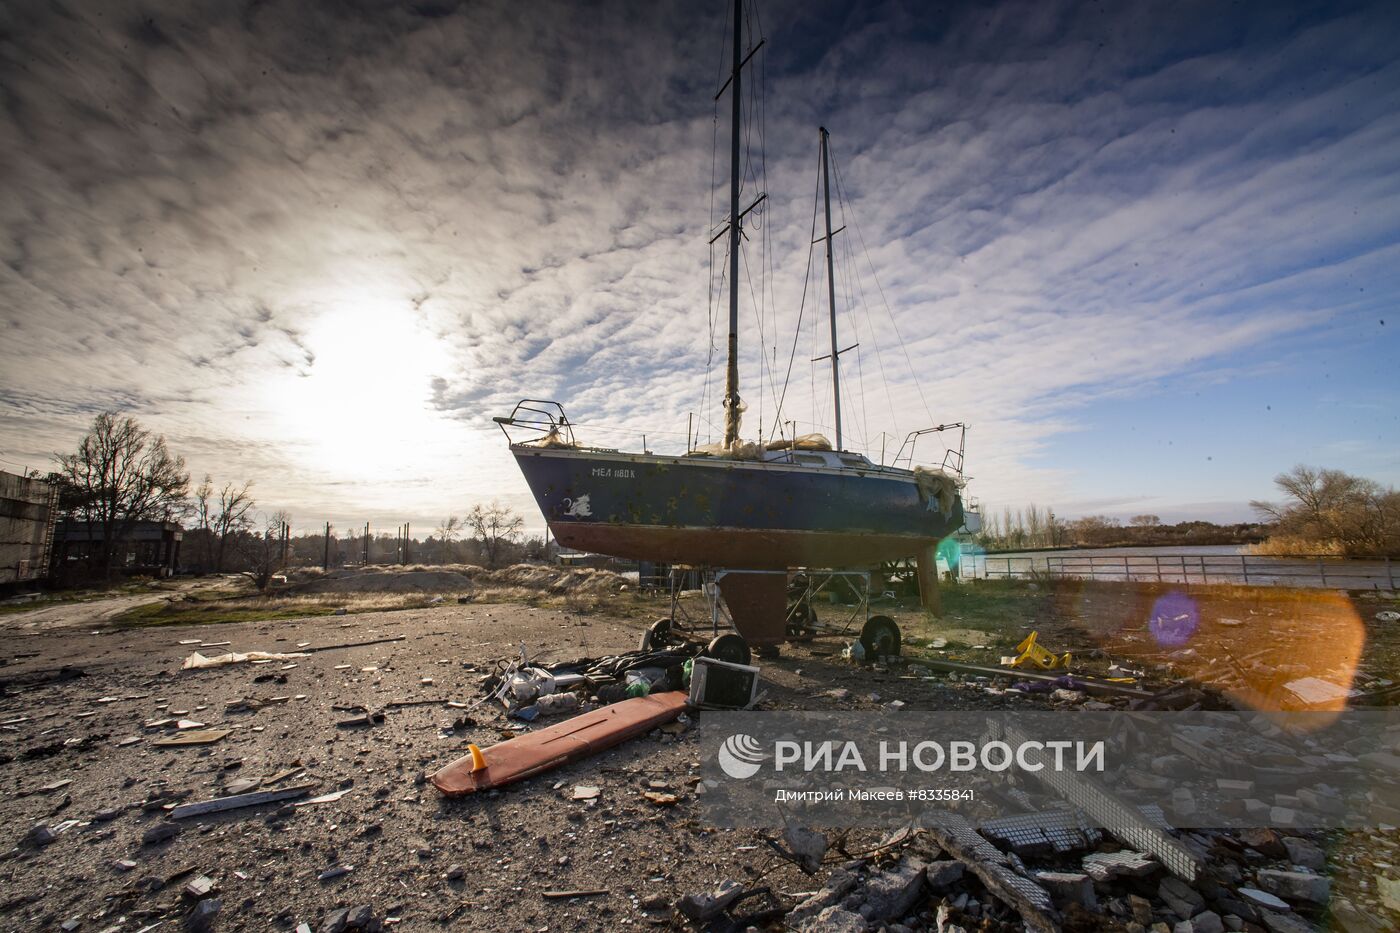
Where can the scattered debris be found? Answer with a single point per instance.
(238, 801)
(192, 737)
(198, 662)
(699, 908)
(586, 892)
(1030, 653)
(1314, 691)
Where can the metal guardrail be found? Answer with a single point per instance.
(1245, 569)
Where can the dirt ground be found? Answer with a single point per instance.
(412, 855)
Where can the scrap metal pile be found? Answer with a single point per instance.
(529, 690)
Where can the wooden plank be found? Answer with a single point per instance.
(589, 892)
(571, 740)
(237, 801)
(193, 737)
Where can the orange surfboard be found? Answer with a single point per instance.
(527, 755)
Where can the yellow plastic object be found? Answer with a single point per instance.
(1031, 654)
(478, 759)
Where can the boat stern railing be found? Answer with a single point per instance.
(539, 416)
(952, 457)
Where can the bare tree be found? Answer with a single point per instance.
(265, 551)
(1145, 521)
(1033, 525)
(448, 531)
(1335, 509)
(234, 516)
(121, 475)
(219, 521)
(494, 525)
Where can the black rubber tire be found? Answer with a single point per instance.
(802, 623)
(729, 647)
(880, 638)
(657, 635)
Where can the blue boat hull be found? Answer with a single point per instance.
(726, 513)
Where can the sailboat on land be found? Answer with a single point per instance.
(792, 503)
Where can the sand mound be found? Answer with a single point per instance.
(460, 578)
(388, 581)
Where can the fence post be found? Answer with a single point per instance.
(1244, 569)
(1157, 562)
(1321, 570)
(1389, 576)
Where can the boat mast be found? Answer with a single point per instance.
(831, 290)
(731, 378)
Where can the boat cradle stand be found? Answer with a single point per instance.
(766, 608)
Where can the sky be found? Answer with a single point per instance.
(1149, 252)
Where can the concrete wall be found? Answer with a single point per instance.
(27, 512)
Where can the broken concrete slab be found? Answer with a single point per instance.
(1262, 899)
(834, 919)
(1264, 841)
(891, 894)
(956, 836)
(1106, 866)
(1305, 853)
(1296, 885)
(838, 885)
(1184, 900)
(806, 847)
(1070, 887)
(943, 873)
(1206, 921)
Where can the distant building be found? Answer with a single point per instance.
(28, 508)
(149, 547)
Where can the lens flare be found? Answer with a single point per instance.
(1174, 619)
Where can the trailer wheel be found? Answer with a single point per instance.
(880, 637)
(801, 623)
(657, 635)
(729, 647)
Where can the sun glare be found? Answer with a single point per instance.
(362, 407)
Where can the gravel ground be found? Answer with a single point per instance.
(410, 854)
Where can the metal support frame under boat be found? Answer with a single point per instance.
(879, 634)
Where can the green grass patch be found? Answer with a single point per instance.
(162, 614)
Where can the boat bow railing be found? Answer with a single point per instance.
(539, 416)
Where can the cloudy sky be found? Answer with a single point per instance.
(1150, 252)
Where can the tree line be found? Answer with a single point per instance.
(1322, 511)
(1030, 527)
(122, 474)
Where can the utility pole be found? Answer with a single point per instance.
(326, 559)
(406, 536)
(366, 557)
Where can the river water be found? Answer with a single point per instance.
(1223, 563)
